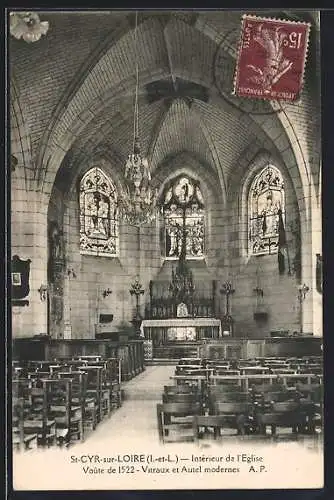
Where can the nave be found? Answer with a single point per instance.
(135, 420)
(133, 429)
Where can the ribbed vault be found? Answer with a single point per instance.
(89, 106)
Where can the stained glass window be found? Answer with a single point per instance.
(98, 215)
(183, 210)
(266, 198)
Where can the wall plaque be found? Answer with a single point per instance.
(20, 273)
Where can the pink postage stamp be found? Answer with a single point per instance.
(271, 58)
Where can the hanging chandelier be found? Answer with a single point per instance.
(138, 202)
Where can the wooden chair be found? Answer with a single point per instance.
(202, 424)
(244, 363)
(283, 371)
(191, 380)
(94, 387)
(230, 397)
(113, 380)
(261, 388)
(312, 391)
(226, 379)
(237, 415)
(221, 388)
(37, 419)
(67, 415)
(311, 401)
(55, 368)
(181, 398)
(286, 414)
(312, 369)
(218, 364)
(21, 439)
(191, 371)
(114, 377)
(93, 357)
(190, 361)
(105, 387)
(173, 418)
(37, 374)
(72, 364)
(253, 370)
(226, 371)
(18, 372)
(180, 388)
(80, 398)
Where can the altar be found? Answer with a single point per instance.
(174, 330)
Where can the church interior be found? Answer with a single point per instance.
(166, 257)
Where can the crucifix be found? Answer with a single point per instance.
(227, 290)
(227, 320)
(137, 290)
(182, 285)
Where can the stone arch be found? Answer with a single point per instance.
(255, 166)
(102, 160)
(187, 163)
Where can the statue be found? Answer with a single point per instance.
(56, 242)
(182, 311)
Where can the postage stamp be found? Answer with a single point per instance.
(271, 59)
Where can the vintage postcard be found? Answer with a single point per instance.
(166, 250)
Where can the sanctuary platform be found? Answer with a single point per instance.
(236, 348)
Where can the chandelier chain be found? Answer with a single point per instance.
(138, 201)
(136, 108)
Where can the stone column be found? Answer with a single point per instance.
(311, 239)
(316, 249)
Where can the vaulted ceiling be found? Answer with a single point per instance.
(75, 89)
